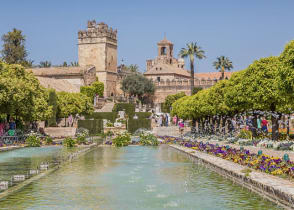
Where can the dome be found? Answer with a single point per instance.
(181, 60)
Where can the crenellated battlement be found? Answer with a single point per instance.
(97, 30)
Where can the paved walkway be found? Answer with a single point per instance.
(106, 108)
(168, 131)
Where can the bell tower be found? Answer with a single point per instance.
(165, 51)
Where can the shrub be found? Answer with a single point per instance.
(122, 140)
(81, 140)
(69, 142)
(148, 139)
(33, 141)
(48, 140)
(245, 134)
(102, 115)
(135, 124)
(128, 108)
(93, 126)
(52, 102)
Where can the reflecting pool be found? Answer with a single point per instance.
(134, 177)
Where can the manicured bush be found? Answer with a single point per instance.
(135, 124)
(52, 102)
(94, 126)
(143, 115)
(81, 140)
(33, 141)
(128, 108)
(69, 142)
(122, 140)
(102, 115)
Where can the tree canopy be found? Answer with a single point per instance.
(137, 85)
(14, 51)
(267, 85)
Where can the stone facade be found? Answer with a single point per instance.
(97, 46)
(170, 77)
(68, 79)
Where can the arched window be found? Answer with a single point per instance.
(163, 51)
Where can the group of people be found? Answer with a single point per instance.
(163, 120)
(7, 127)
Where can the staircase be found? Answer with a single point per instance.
(106, 108)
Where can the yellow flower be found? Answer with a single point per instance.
(277, 172)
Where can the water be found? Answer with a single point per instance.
(134, 178)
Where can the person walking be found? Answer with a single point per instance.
(264, 124)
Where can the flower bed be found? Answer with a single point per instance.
(271, 165)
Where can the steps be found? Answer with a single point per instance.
(106, 108)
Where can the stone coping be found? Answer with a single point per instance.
(19, 186)
(275, 189)
(3, 149)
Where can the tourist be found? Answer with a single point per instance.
(160, 121)
(181, 127)
(264, 124)
(258, 123)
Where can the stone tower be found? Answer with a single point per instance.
(97, 45)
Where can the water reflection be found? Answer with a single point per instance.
(134, 178)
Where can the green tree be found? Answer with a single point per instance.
(72, 104)
(21, 95)
(45, 64)
(14, 51)
(192, 51)
(74, 63)
(52, 102)
(96, 88)
(138, 85)
(134, 68)
(196, 90)
(223, 63)
(64, 64)
(170, 99)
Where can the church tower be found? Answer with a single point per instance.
(97, 46)
(165, 51)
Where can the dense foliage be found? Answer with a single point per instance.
(138, 85)
(170, 99)
(266, 87)
(96, 88)
(122, 140)
(33, 141)
(73, 103)
(69, 142)
(148, 139)
(14, 51)
(52, 102)
(21, 95)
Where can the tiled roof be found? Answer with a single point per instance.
(167, 69)
(58, 84)
(53, 71)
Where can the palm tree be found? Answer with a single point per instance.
(192, 50)
(74, 63)
(134, 68)
(45, 64)
(223, 63)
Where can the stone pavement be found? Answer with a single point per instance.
(106, 108)
(168, 131)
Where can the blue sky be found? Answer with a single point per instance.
(242, 30)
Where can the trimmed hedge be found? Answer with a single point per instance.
(94, 126)
(143, 115)
(129, 108)
(103, 115)
(134, 125)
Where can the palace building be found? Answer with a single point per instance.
(171, 77)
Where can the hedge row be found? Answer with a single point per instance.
(103, 115)
(94, 126)
(134, 125)
(128, 108)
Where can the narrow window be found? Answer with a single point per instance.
(158, 79)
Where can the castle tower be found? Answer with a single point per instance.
(97, 46)
(165, 51)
